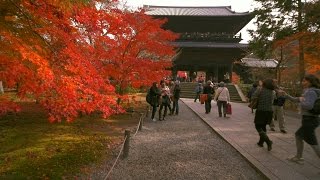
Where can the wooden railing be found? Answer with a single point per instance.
(196, 36)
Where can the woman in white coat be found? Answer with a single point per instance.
(222, 97)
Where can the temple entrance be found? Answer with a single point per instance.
(214, 73)
(217, 73)
(209, 39)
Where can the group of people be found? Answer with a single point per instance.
(219, 94)
(162, 96)
(271, 99)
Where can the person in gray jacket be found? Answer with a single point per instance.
(310, 121)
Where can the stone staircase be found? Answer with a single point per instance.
(234, 95)
(187, 91)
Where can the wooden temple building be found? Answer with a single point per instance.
(209, 38)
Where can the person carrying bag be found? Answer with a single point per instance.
(208, 91)
(223, 98)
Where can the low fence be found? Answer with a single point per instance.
(125, 146)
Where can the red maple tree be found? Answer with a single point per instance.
(64, 54)
(287, 51)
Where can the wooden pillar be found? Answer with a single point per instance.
(216, 67)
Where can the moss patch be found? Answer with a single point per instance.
(32, 148)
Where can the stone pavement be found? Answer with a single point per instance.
(238, 129)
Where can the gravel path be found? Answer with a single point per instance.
(182, 147)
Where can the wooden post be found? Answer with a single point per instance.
(126, 144)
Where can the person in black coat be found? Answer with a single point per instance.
(263, 116)
(176, 97)
(208, 89)
(155, 94)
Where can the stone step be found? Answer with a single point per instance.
(187, 91)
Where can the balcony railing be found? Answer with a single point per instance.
(196, 36)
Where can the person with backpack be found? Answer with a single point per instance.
(153, 98)
(309, 104)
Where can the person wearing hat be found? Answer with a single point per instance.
(208, 89)
(222, 97)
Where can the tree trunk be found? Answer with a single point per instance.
(301, 50)
(1, 88)
(279, 66)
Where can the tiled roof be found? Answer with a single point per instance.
(209, 44)
(191, 11)
(253, 62)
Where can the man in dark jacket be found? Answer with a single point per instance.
(176, 97)
(155, 93)
(208, 89)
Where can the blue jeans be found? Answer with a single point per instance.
(197, 96)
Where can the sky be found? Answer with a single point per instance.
(236, 5)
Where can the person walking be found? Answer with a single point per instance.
(251, 91)
(176, 97)
(155, 94)
(165, 100)
(209, 91)
(171, 88)
(278, 112)
(198, 90)
(222, 97)
(263, 115)
(310, 121)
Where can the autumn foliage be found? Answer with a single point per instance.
(290, 54)
(70, 57)
(235, 78)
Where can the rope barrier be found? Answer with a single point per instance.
(116, 159)
(122, 146)
(138, 125)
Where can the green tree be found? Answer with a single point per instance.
(276, 20)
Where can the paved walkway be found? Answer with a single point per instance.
(239, 131)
